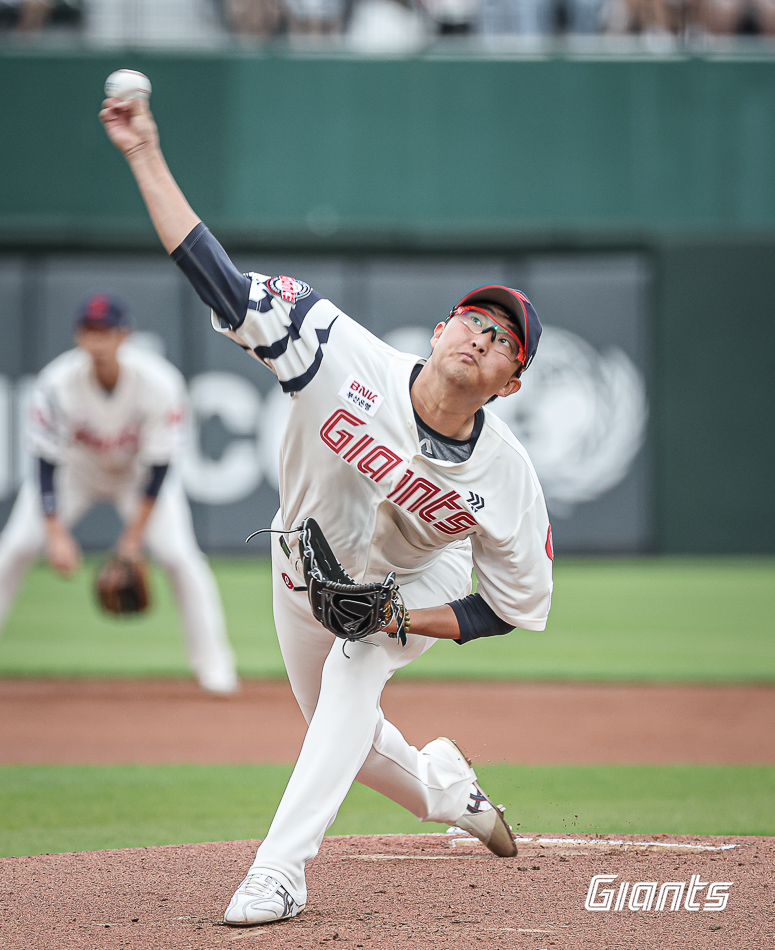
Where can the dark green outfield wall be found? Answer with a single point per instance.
(714, 379)
(674, 157)
(418, 147)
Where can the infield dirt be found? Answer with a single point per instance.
(412, 892)
(172, 721)
(445, 892)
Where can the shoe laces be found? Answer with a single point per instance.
(259, 885)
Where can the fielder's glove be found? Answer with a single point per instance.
(122, 586)
(350, 611)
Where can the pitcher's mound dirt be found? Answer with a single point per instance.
(413, 892)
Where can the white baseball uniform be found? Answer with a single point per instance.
(351, 458)
(103, 445)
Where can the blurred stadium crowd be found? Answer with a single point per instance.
(377, 24)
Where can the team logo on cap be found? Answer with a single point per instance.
(97, 308)
(289, 288)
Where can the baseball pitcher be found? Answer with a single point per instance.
(395, 483)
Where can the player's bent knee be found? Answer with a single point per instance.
(182, 563)
(21, 553)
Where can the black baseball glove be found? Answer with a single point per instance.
(121, 586)
(350, 611)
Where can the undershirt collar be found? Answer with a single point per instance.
(434, 445)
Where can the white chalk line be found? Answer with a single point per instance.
(461, 837)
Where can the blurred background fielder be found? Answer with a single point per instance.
(106, 423)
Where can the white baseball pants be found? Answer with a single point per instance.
(169, 539)
(348, 737)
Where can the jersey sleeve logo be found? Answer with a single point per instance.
(361, 395)
(549, 545)
(288, 289)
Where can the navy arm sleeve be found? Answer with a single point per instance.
(213, 276)
(48, 496)
(477, 619)
(155, 479)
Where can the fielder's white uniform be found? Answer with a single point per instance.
(351, 459)
(103, 445)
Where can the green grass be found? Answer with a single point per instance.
(48, 809)
(637, 619)
(687, 619)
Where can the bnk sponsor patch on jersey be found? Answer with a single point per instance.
(289, 288)
(361, 396)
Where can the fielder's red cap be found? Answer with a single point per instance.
(519, 309)
(102, 310)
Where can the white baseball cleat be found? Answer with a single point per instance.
(484, 820)
(260, 899)
(225, 684)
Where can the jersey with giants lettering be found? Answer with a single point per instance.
(108, 438)
(351, 459)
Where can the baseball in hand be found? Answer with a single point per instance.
(128, 84)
